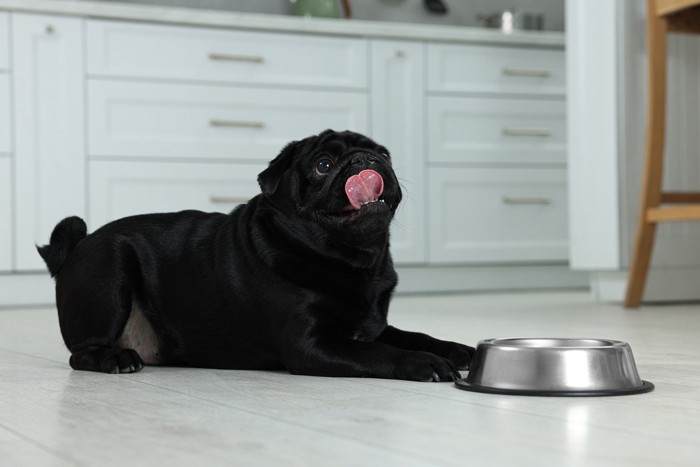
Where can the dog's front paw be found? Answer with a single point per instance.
(424, 366)
(460, 355)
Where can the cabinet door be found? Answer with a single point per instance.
(47, 69)
(166, 52)
(4, 84)
(4, 41)
(5, 215)
(125, 188)
(496, 130)
(5, 139)
(5, 148)
(172, 120)
(486, 69)
(396, 109)
(498, 215)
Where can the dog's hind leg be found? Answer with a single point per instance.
(106, 359)
(94, 297)
(95, 280)
(92, 330)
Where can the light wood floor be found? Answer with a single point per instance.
(167, 417)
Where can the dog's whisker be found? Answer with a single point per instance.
(399, 225)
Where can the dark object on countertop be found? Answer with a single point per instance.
(437, 7)
(346, 9)
(510, 20)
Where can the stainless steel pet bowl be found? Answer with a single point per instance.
(554, 367)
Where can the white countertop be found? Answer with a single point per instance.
(250, 21)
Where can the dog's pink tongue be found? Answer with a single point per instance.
(365, 187)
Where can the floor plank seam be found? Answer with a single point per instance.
(42, 447)
(24, 354)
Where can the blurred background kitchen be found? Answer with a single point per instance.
(113, 108)
(518, 142)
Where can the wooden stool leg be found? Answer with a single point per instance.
(657, 29)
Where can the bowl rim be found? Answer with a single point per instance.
(511, 343)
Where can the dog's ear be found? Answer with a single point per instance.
(269, 178)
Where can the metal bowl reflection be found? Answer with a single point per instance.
(554, 367)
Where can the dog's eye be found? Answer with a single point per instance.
(323, 166)
(385, 155)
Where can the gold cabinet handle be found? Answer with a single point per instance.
(219, 57)
(529, 72)
(512, 131)
(526, 200)
(236, 123)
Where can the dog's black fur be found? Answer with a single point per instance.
(291, 280)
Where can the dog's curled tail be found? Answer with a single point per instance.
(64, 238)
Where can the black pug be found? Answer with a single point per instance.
(299, 278)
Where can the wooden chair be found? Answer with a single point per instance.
(663, 16)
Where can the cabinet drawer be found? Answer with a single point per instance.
(119, 189)
(4, 41)
(198, 121)
(5, 215)
(5, 140)
(474, 68)
(469, 129)
(173, 52)
(498, 215)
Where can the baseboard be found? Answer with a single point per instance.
(489, 278)
(663, 285)
(26, 289)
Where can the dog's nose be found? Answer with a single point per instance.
(363, 158)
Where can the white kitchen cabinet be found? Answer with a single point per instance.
(396, 99)
(49, 161)
(241, 57)
(483, 69)
(496, 120)
(484, 215)
(6, 244)
(4, 41)
(173, 120)
(120, 189)
(496, 130)
(105, 118)
(5, 109)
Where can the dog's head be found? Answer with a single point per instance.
(341, 181)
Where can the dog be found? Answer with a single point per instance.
(298, 279)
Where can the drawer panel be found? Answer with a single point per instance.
(4, 41)
(498, 215)
(5, 215)
(474, 68)
(496, 130)
(120, 189)
(173, 52)
(192, 121)
(5, 139)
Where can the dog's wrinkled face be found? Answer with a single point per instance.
(342, 181)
